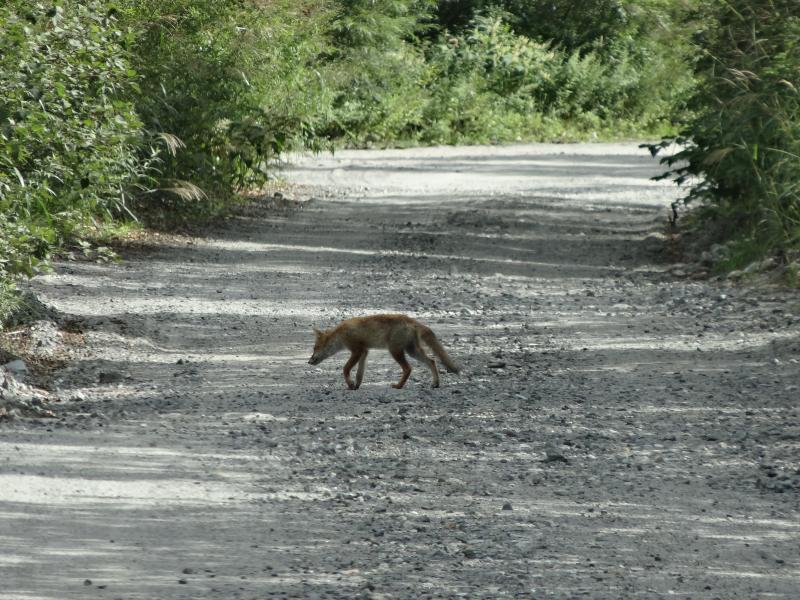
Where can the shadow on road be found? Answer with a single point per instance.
(615, 433)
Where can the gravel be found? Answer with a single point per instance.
(618, 430)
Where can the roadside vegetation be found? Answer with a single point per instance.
(741, 142)
(163, 110)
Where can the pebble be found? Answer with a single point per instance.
(106, 377)
(552, 457)
(16, 367)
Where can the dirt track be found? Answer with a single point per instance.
(617, 431)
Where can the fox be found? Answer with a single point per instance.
(400, 334)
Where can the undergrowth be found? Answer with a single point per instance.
(741, 149)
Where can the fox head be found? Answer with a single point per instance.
(324, 346)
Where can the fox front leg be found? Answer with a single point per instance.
(362, 365)
(351, 362)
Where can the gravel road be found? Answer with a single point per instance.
(619, 430)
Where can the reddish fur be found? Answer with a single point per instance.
(398, 333)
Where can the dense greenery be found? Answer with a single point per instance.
(480, 71)
(495, 85)
(230, 84)
(70, 138)
(166, 108)
(742, 148)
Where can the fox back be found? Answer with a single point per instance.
(397, 333)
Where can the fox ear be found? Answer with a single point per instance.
(317, 332)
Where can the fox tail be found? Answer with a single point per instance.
(430, 340)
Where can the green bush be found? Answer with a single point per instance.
(485, 84)
(742, 149)
(570, 25)
(109, 108)
(72, 147)
(69, 135)
(375, 68)
(232, 85)
(379, 98)
(624, 71)
(492, 84)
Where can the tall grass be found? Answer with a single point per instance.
(232, 82)
(743, 145)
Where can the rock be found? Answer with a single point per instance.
(497, 364)
(655, 241)
(30, 309)
(753, 267)
(553, 457)
(767, 264)
(718, 252)
(45, 337)
(677, 267)
(16, 367)
(507, 506)
(106, 377)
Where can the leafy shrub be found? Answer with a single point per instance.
(742, 149)
(376, 70)
(493, 84)
(570, 25)
(69, 137)
(623, 69)
(231, 83)
(379, 97)
(486, 84)
(24, 248)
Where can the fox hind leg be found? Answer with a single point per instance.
(416, 352)
(400, 357)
